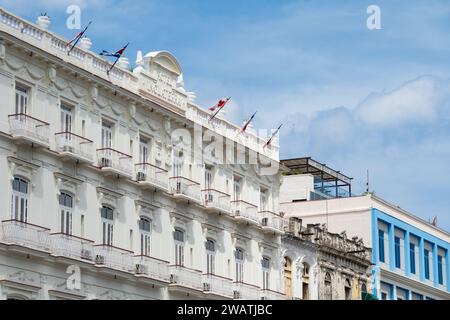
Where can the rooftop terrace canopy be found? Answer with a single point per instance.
(327, 178)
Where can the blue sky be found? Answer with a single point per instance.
(352, 98)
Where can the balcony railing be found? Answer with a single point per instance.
(272, 222)
(149, 174)
(73, 145)
(267, 294)
(152, 268)
(245, 291)
(245, 211)
(181, 186)
(185, 277)
(64, 245)
(115, 161)
(115, 258)
(218, 200)
(23, 126)
(26, 235)
(217, 285)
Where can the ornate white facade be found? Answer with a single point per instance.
(91, 186)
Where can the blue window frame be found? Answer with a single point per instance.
(397, 252)
(440, 274)
(381, 245)
(426, 262)
(412, 258)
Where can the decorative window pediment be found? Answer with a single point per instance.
(145, 208)
(68, 184)
(22, 168)
(109, 198)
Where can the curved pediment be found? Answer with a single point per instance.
(164, 59)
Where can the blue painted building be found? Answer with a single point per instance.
(410, 256)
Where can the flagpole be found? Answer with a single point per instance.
(217, 112)
(79, 38)
(117, 60)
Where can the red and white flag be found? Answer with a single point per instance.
(220, 104)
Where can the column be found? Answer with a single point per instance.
(447, 267)
(391, 245)
(407, 254)
(421, 264)
(393, 292)
(375, 237)
(435, 265)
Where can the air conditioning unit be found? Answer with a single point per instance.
(86, 254)
(206, 286)
(105, 162)
(67, 148)
(209, 197)
(141, 176)
(236, 295)
(141, 269)
(264, 298)
(173, 278)
(99, 259)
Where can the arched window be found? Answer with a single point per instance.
(178, 236)
(288, 277)
(239, 259)
(108, 225)
(66, 209)
(348, 289)
(145, 230)
(210, 256)
(19, 200)
(265, 263)
(305, 278)
(327, 287)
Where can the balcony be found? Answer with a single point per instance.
(152, 176)
(26, 235)
(68, 246)
(152, 268)
(245, 212)
(245, 291)
(115, 162)
(72, 146)
(182, 278)
(217, 286)
(28, 129)
(217, 201)
(267, 294)
(186, 189)
(114, 258)
(272, 222)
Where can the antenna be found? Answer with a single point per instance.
(368, 182)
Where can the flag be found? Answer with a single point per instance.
(246, 125)
(118, 54)
(77, 38)
(272, 137)
(220, 104)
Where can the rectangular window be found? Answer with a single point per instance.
(263, 196)
(426, 258)
(106, 135)
(143, 151)
(440, 273)
(381, 245)
(66, 119)
(22, 98)
(397, 252)
(412, 258)
(237, 189)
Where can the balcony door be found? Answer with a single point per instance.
(66, 119)
(145, 229)
(107, 225)
(208, 185)
(21, 100)
(144, 151)
(66, 210)
(210, 256)
(19, 200)
(237, 189)
(288, 277)
(107, 136)
(239, 259)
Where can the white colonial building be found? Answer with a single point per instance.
(118, 181)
